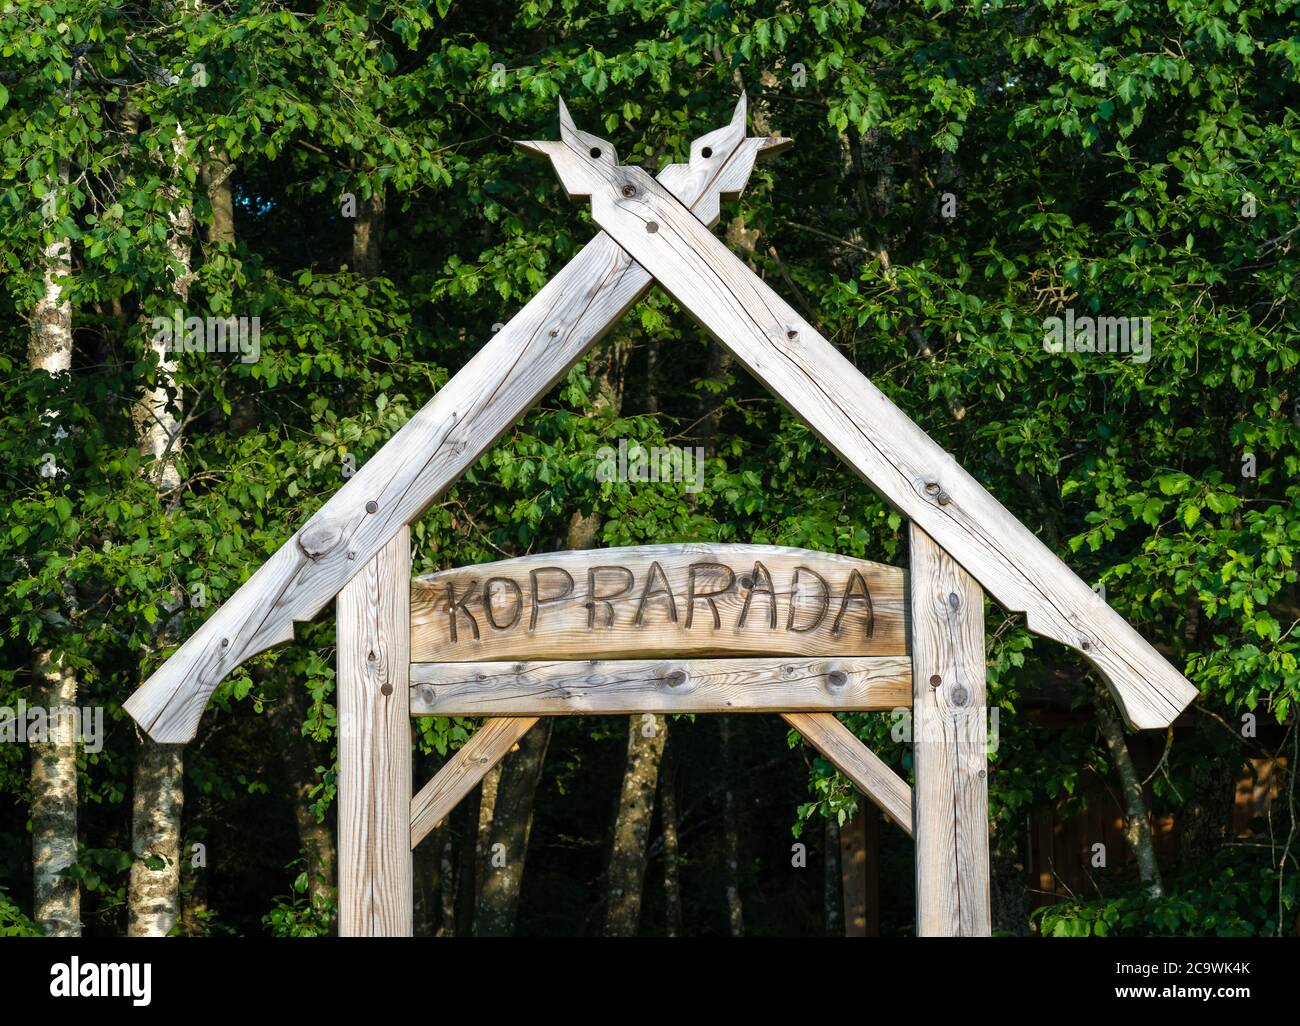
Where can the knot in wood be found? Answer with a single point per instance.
(959, 696)
(629, 190)
(837, 678)
(316, 540)
(677, 678)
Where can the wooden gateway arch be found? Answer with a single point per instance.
(659, 629)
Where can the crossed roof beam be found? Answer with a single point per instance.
(657, 231)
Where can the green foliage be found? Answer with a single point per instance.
(299, 913)
(1243, 900)
(12, 921)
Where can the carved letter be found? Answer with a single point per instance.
(762, 585)
(708, 596)
(539, 602)
(462, 605)
(487, 602)
(651, 591)
(855, 578)
(794, 596)
(594, 600)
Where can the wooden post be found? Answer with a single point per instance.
(950, 802)
(374, 689)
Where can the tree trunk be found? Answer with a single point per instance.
(54, 805)
(668, 818)
(153, 904)
(730, 836)
(159, 413)
(447, 922)
(512, 822)
(57, 904)
(368, 236)
(1137, 823)
(831, 919)
(153, 901)
(627, 859)
(216, 174)
(315, 839)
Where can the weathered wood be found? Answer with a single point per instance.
(859, 423)
(869, 773)
(949, 737)
(374, 744)
(624, 687)
(482, 401)
(462, 773)
(670, 600)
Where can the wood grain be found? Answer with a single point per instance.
(374, 745)
(463, 771)
(614, 603)
(949, 736)
(482, 401)
(859, 423)
(624, 687)
(869, 773)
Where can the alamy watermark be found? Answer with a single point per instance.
(635, 462)
(180, 334)
(1085, 334)
(61, 724)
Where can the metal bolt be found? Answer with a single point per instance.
(386, 690)
(595, 152)
(629, 191)
(372, 506)
(944, 498)
(935, 681)
(652, 226)
(931, 487)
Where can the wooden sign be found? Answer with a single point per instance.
(660, 600)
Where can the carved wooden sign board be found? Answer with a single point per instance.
(660, 629)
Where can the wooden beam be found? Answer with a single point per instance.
(949, 736)
(463, 771)
(869, 773)
(395, 486)
(374, 743)
(625, 687)
(643, 601)
(860, 424)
